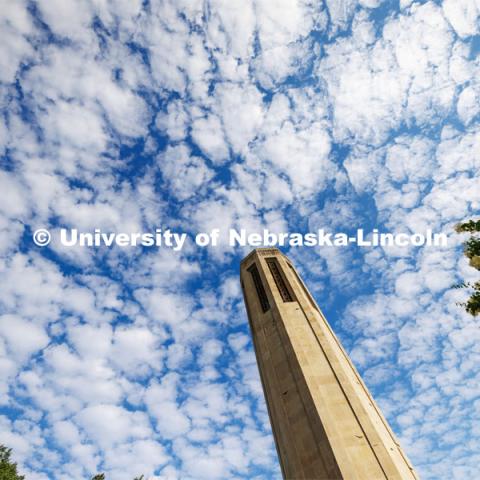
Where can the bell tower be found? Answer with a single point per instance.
(325, 422)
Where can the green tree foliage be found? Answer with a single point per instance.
(471, 226)
(101, 476)
(471, 249)
(8, 469)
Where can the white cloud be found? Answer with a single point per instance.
(160, 399)
(467, 106)
(129, 459)
(111, 424)
(241, 110)
(16, 24)
(15, 201)
(90, 341)
(463, 16)
(69, 19)
(403, 75)
(281, 21)
(185, 174)
(275, 64)
(231, 27)
(207, 133)
(174, 122)
(136, 350)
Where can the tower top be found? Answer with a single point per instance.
(262, 252)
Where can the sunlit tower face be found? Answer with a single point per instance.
(325, 423)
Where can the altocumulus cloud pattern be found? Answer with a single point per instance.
(126, 116)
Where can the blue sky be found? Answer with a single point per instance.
(191, 115)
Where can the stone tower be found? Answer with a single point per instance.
(325, 422)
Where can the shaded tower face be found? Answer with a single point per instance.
(325, 423)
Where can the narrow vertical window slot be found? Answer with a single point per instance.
(279, 280)
(257, 281)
